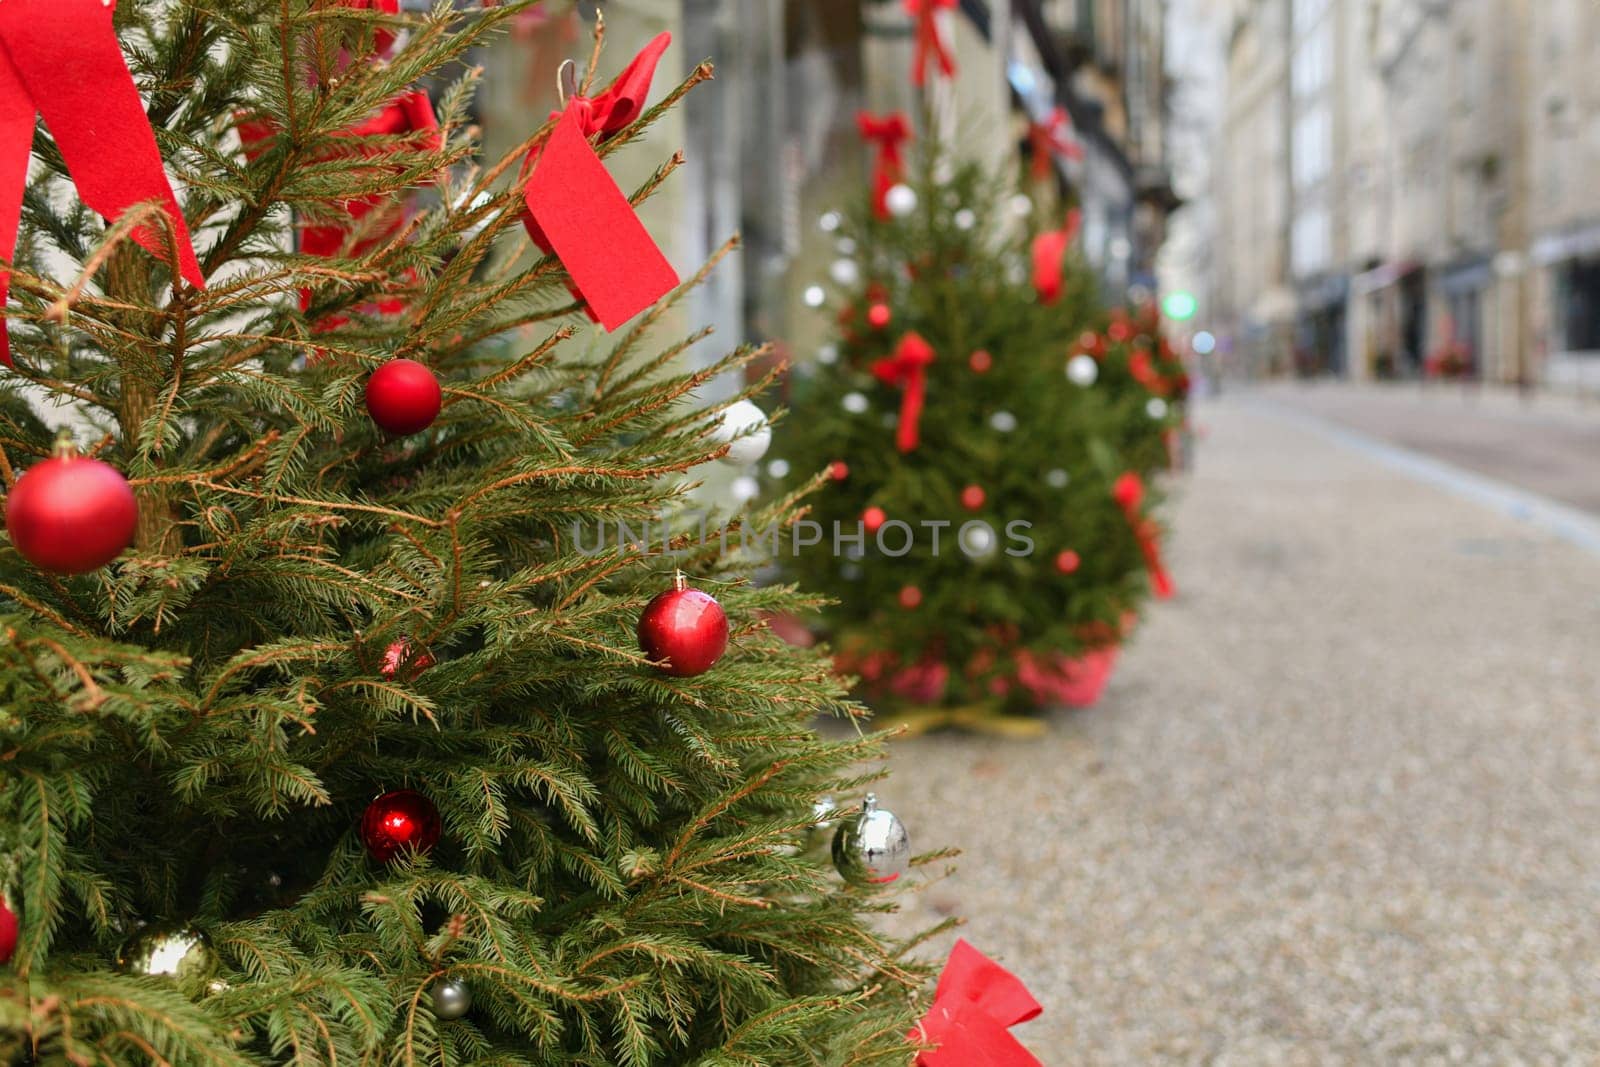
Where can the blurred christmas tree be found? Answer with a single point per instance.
(978, 535)
(355, 756)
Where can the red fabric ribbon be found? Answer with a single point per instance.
(1128, 492)
(61, 59)
(929, 44)
(887, 133)
(974, 1005)
(908, 369)
(614, 266)
(1051, 138)
(1050, 255)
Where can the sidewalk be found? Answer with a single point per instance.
(1341, 804)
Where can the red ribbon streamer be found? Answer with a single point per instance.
(1049, 257)
(929, 44)
(887, 133)
(573, 209)
(1051, 138)
(908, 369)
(974, 1005)
(1128, 492)
(61, 59)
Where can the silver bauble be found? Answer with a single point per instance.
(178, 952)
(844, 271)
(855, 403)
(1003, 421)
(901, 200)
(451, 998)
(871, 848)
(977, 539)
(1156, 408)
(824, 816)
(1056, 478)
(1082, 370)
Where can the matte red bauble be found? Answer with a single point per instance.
(910, 597)
(8, 932)
(1067, 561)
(402, 820)
(403, 397)
(873, 519)
(878, 316)
(684, 631)
(838, 470)
(972, 497)
(71, 514)
(980, 362)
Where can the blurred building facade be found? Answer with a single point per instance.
(1405, 188)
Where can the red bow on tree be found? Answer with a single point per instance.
(929, 44)
(61, 59)
(975, 1003)
(1049, 257)
(1128, 492)
(887, 133)
(573, 208)
(907, 369)
(1050, 138)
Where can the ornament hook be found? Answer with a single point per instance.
(566, 81)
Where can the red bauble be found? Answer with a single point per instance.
(878, 316)
(403, 397)
(8, 932)
(838, 470)
(980, 362)
(973, 497)
(684, 630)
(1067, 561)
(1091, 343)
(405, 660)
(1119, 331)
(71, 514)
(910, 597)
(402, 820)
(873, 519)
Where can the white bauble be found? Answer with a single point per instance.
(828, 354)
(901, 200)
(977, 539)
(778, 468)
(814, 296)
(855, 403)
(744, 488)
(1156, 408)
(966, 219)
(829, 221)
(1082, 370)
(845, 246)
(1056, 478)
(1003, 421)
(1021, 206)
(746, 430)
(845, 272)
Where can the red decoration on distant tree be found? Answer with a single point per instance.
(980, 361)
(1120, 330)
(70, 514)
(1092, 344)
(873, 519)
(574, 210)
(910, 597)
(878, 316)
(1067, 561)
(973, 497)
(838, 470)
(684, 630)
(1128, 492)
(61, 59)
(8, 932)
(886, 133)
(907, 369)
(1050, 138)
(1049, 257)
(929, 44)
(974, 1005)
(402, 820)
(403, 397)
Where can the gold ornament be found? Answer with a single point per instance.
(179, 952)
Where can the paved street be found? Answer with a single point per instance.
(1340, 804)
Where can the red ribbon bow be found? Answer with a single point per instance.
(887, 133)
(975, 1003)
(1128, 492)
(929, 44)
(1049, 257)
(908, 369)
(573, 208)
(1050, 138)
(61, 59)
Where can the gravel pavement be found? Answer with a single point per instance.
(1339, 805)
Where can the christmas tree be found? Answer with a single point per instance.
(327, 735)
(986, 534)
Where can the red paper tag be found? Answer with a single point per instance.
(613, 261)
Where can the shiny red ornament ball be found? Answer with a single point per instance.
(873, 519)
(8, 932)
(838, 470)
(1119, 331)
(973, 497)
(402, 820)
(71, 514)
(403, 659)
(403, 397)
(878, 316)
(910, 597)
(684, 630)
(980, 361)
(1067, 561)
